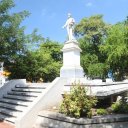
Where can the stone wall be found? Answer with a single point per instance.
(49, 119)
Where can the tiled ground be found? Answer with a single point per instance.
(6, 125)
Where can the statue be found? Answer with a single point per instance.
(110, 75)
(70, 25)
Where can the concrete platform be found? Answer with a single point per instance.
(56, 120)
(101, 89)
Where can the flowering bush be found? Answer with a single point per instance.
(6, 73)
(77, 103)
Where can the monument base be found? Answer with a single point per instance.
(72, 72)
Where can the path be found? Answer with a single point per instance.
(6, 125)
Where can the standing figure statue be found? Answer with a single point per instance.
(70, 26)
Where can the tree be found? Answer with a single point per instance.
(23, 55)
(43, 62)
(52, 51)
(33, 40)
(91, 33)
(116, 48)
(12, 37)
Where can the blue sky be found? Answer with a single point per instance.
(48, 16)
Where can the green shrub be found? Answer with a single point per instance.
(102, 111)
(77, 103)
(120, 107)
(97, 70)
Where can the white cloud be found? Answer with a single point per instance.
(89, 4)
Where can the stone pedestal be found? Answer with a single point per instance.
(109, 80)
(71, 61)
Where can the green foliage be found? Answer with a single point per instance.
(87, 59)
(103, 44)
(114, 46)
(102, 111)
(43, 62)
(120, 107)
(116, 50)
(34, 40)
(33, 57)
(77, 103)
(12, 37)
(92, 32)
(92, 29)
(5, 5)
(53, 48)
(97, 70)
(26, 56)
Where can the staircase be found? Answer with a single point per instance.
(17, 100)
(21, 103)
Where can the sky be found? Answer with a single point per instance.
(48, 16)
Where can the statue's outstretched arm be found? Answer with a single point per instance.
(64, 25)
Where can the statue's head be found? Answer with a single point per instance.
(69, 15)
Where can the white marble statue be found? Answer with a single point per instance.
(70, 26)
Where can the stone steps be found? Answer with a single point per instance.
(31, 87)
(8, 118)
(27, 90)
(9, 112)
(17, 100)
(12, 106)
(23, 94)
(15, 97)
